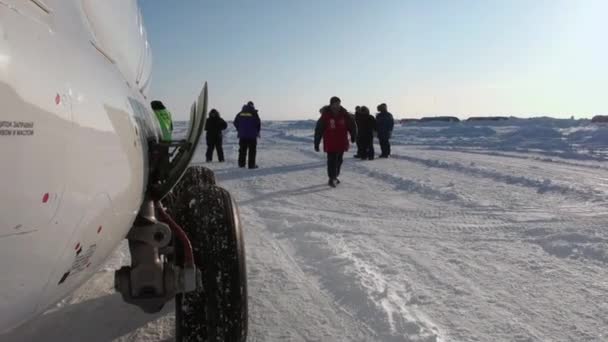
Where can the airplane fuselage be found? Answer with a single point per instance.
(74, 127)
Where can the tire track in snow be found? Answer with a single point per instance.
(476, 274)
(593, 180)
(284, 303)
(408, 185)
(355, 284)
(354, 280)
(521, 157)
(542, 187)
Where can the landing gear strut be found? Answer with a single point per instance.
(152, 280)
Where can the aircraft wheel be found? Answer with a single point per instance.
(194, 177)
(218, 310)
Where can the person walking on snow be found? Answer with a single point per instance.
(214, 127)
(248, 126)
(358, 117)
(366, 126)
(384, 125)
(333, 127)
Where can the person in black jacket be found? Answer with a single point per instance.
(366, 125)
(358, 116)
(214, 127)
(384, 125)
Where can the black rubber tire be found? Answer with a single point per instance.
(217, 311)
(194, 177)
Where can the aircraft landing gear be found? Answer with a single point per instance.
(201, 263)
(151, 280)
(217, 310)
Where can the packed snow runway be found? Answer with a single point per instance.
(454, 238)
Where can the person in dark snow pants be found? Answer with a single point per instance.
(366, 126)
(214, 127)
(248, 126)
(384, 125)
(358, 117)
(333, 128)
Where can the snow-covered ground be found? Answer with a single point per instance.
(470, 232)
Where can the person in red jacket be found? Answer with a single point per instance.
(333, 127)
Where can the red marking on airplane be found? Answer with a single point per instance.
(77, 246)
(57, 99)
(45, 198)
(99, 230)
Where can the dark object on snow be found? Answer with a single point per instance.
(366, 126)
(600, 119)
(217, 311)
(488, 118)
(333, 127)
(214, 127)
(384, 125)
(334, 164)
(440, 119)
(248, 125)
(248, 152)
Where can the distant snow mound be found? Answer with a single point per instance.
(305, 124)
(467, 132)
(535, 132)
(537, 137)
(599, 136)
(594, 136)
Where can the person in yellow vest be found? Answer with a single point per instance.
(161, 158)
(164, 119)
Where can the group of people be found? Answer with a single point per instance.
(333, 128)
(336, 124)
(368, 126)
(248, 125)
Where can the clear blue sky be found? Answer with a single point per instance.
(423, 57)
